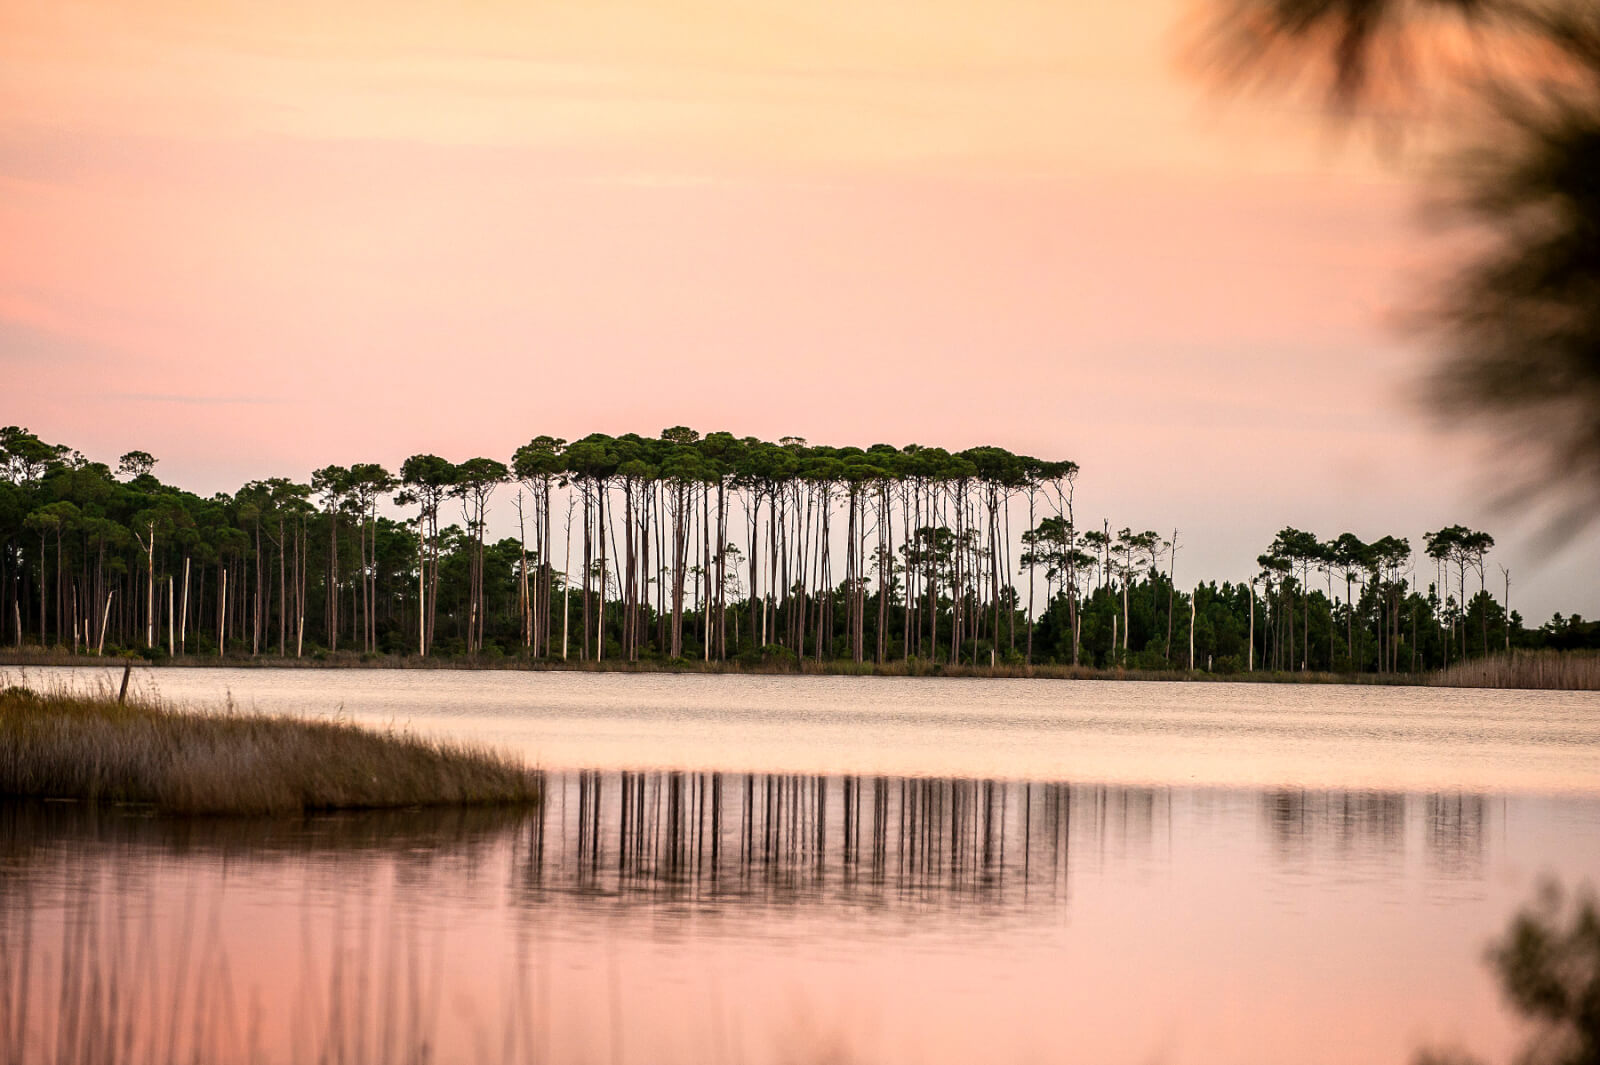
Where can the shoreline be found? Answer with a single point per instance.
(1527, 670)
(808, 668)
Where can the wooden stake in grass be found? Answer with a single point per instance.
(127, 669)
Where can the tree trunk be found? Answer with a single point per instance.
(1508, 611)
(600, 612)
(150, 614)
(1127, 625)
(333, 580)
(1172, 577)
(566, 588)
(1252, 666)
(105, 619)
(183, 610)
(44, 586)
(1192, 610)
(705, 569)
(422, 584)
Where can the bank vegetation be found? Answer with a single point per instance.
(1552, 670)
(730, 552)
(57, 745)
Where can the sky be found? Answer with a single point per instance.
(254, 239)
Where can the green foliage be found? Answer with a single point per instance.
(1548, 962)
(1520, 146)
(768, 553)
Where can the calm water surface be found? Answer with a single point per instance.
(823, 869)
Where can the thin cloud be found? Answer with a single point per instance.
(198, 401)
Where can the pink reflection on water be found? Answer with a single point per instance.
(734, 917)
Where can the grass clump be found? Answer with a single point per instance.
(1548, 670)
(62, 746)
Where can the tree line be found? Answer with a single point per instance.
(710, 547)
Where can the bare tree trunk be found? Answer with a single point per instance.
(957, 586)
(372, 597)
(994, 583)
(755, 572)
(525, 602)
(547, 575)
(679, 560)
(908, 595)
(1032, 565)
(183, 612)
(600, 612)
(705, 569)
(885, 571)
(566, 586)
(105, 619)
(933, 575)
(588, 559)
(300, 599)
(1252, 667)
(361, 574)
(722, 573)
(150, 612)
(1172, 575)
(853, 574)
(422, 585)
(1507, 607)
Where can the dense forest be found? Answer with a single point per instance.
(715, 548)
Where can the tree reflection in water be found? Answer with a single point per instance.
(132, 938)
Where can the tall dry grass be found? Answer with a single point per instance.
(1553, 670)
(64, 746)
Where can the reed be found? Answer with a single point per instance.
(62, 746)
(1552, 670)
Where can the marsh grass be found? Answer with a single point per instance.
(1549, 670)
(58, 745)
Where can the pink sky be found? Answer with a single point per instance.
(253, 239)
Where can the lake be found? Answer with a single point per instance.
(823, 869)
